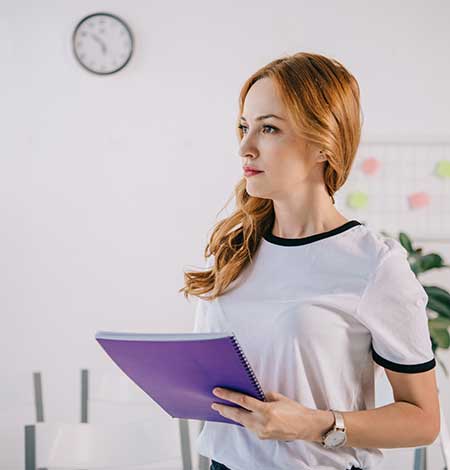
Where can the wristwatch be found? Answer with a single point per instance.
(337, 435)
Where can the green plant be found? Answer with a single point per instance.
(438, 298)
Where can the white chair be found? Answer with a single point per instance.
(110, 396)
(91, 446)
(21, 401)
(114, 402)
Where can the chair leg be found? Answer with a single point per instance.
(185, 443)
(420, 458)
(84, 395)
(38, 398)
(30, 447)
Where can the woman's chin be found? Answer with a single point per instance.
(254, 192)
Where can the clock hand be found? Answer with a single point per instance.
(102, 44)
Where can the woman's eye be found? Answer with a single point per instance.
(274, 129)
(271, 127)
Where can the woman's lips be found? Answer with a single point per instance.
(251, 173)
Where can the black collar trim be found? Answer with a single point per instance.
(268, 236)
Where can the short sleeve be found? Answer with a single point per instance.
(393, 308)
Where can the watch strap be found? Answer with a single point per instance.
(338, 420)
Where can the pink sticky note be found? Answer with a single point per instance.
(370, 165)
(417, 200)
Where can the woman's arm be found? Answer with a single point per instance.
(412, 420)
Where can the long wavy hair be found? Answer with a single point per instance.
(322, 98)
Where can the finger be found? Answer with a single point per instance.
(236, 414)
(246, 401)
(274, 396)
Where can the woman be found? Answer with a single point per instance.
(320, 304)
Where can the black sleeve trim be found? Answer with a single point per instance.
(408, 369)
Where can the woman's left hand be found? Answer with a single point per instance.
(278, 417)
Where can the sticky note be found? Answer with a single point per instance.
(370, 165)
(418, 200)
(442, 169)
(357, 199)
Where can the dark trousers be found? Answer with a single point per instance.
(219, 466)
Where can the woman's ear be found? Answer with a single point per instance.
(321, 157)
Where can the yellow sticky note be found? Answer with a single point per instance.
(442, 169)
(357, 199)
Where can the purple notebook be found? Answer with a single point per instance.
(179, 371)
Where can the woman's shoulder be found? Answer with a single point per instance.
(378, 246)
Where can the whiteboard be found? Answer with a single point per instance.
(395, 187)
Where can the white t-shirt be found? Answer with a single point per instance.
(318, 318)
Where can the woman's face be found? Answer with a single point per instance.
(271, 145)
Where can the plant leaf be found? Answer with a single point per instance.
(430, 261)
(437, 293)
(440, 322)
(438, 300)
(441, 336)
(405, 242)
(420, 264)
(438, 307)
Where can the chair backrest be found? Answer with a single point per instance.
(21, 395)
(86, 445)
(21, 401)
(111, 385)
(110, 396)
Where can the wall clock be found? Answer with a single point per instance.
(102, 43)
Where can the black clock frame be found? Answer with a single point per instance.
(111, 16)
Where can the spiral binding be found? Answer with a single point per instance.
(248, 367)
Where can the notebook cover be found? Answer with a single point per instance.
(180, 374)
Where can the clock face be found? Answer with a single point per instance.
(335, 438)
(102, 43)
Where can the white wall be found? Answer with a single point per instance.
(110, 184)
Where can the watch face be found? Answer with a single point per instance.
(102, 43)
(335, 438)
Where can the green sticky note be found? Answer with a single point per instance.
(357, 199)
(443, 169)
